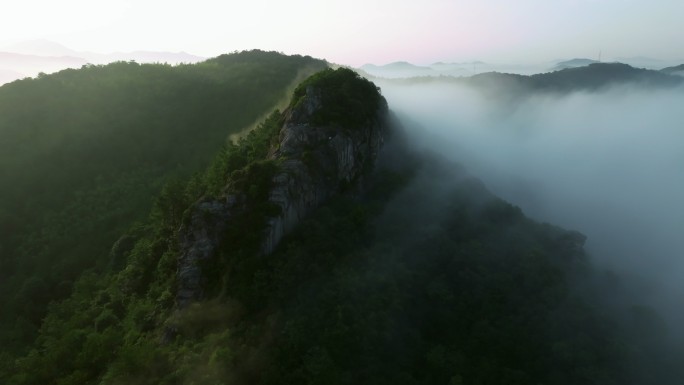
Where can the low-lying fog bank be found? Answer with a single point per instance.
(609, 164)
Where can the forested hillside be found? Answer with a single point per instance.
(411, 272)
(83, 153)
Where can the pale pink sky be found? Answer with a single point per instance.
(355, 32)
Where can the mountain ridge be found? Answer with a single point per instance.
(594, 76)
(84, 152)
(363, 289)
(675, 70)
(320, 248)
(572, 63)
(43, 56)
(314, 159)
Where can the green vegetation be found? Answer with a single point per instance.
(366, 291)
(110, 327)
(423, 278)
(84, 152)
(346, 98)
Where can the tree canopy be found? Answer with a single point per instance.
(83, 153)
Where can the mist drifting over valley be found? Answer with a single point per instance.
(607, 163)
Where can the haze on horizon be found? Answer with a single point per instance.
(356, 32)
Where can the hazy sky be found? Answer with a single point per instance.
(358, 31)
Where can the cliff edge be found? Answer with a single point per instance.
(329, 138)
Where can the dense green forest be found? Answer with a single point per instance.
(84, 152)
(418, 275)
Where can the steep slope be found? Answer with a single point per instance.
(83, 153)
(345, 116)
(392, 267)
(322, 249)
(330, 137)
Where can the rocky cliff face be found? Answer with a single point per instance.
(315, 162)
(199, 241)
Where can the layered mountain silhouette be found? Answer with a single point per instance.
(572, 63)
(28, 59)
(592, 77)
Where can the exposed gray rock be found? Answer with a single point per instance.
(318, 162)
(315, 163)
(198, 241)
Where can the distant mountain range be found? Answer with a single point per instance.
(32, 57)
(636, 61)
(676, 70)
(40, 47)
(592, 77)
(22, 65)
(402, 69)
(573, 63)
(50, 48)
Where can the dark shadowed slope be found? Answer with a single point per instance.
(83, 153)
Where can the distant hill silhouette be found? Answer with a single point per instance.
(592, 77)
(400, 69)
(15, 66)
(572, 63)
(27, 59)
(599, 75)
(676, 70)
(399, 65)
(44, 48)
(40, 47)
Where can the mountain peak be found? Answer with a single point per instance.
(326, 140)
